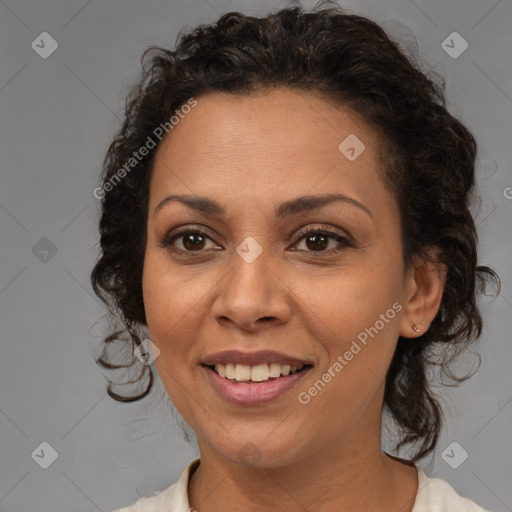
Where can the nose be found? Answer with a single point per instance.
(252, 296)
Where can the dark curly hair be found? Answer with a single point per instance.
(428, 161)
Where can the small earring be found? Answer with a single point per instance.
(414, 328)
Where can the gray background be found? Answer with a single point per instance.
(57, 117)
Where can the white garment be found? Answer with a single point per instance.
(434, 495)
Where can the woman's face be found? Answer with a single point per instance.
(255, 282)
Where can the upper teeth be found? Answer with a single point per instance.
(258, 373)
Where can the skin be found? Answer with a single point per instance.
(251, 153)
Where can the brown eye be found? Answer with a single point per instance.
(191, 241)
(317, 242)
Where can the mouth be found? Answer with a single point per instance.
(253, 378)
(257, 383)
(265, 372)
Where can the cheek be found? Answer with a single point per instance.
(354, 316)
(358, 335)
(175, 307)
(346, 302)
(166, 304)
(167, 294)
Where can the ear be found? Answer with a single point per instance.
(424, 286)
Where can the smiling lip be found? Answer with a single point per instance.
(254, 393)
(252, 359)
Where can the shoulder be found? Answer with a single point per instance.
(436, 495)
(154, 503)
(173, 498)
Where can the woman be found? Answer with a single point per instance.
(286, 210)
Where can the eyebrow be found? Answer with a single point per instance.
(284, 210)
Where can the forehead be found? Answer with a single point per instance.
(272, 120)
(277, 142)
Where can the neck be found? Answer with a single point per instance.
(357, 478)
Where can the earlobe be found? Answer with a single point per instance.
(423, 292)
(415, 327)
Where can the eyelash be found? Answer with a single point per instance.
(344, 241)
